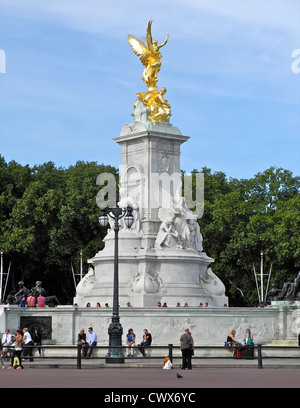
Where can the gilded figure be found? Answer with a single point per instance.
(150, 56)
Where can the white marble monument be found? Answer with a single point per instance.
(161, 257)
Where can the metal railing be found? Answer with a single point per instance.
(173, 352)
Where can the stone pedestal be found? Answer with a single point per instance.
(159, 259)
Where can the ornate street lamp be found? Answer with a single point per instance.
(115, 354)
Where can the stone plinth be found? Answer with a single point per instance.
(149, 276)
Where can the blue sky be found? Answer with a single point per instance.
(71, 80)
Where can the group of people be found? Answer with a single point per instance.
(248, 339)
(32, 301)
(130, 342)
(205, 305)
(239, 348)
(35, 297)
(22, 341)
(159, 304)
(20, 346)
(186, 345)
(98, 304)
(29, 301)
(89, 344)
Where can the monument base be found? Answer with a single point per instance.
(278, 325)
(148, 276)
(286, 302)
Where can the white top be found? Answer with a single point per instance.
(27, 337)
(6, 339)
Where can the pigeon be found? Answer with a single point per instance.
(179, 376)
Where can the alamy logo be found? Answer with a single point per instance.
(2, 62)
(296, 63)
(154, 191)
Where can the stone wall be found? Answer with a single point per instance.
(272, 325)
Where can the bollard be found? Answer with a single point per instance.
(171, 352)
(79, 347)
(259, 356)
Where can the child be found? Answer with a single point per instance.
(16, 355)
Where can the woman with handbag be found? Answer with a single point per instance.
(187, 349)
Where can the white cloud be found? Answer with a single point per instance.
(189, 17)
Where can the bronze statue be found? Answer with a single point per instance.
(39, 290)
(289, 291)
(21, 293)
(150, 57)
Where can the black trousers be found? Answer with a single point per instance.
(27, 350)
(142, 348)
(186, 358)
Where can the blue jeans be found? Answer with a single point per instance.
(86, 347)
(142, 348)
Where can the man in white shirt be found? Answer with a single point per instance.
(6, 342)
(28, 344)
(92, 342)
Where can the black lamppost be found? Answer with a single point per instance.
(115, 354)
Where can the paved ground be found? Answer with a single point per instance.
(134, 363)
(147, 376)
(150, 378)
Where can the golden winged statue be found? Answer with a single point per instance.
(151, 57)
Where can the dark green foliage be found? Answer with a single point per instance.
(48, 215)
(243, 217)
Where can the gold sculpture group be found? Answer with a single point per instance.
(150, 56)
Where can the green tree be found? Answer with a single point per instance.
(48, 215)
(51, 215)
(247, 216)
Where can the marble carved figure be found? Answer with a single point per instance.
(167, 236)
(179, 228)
